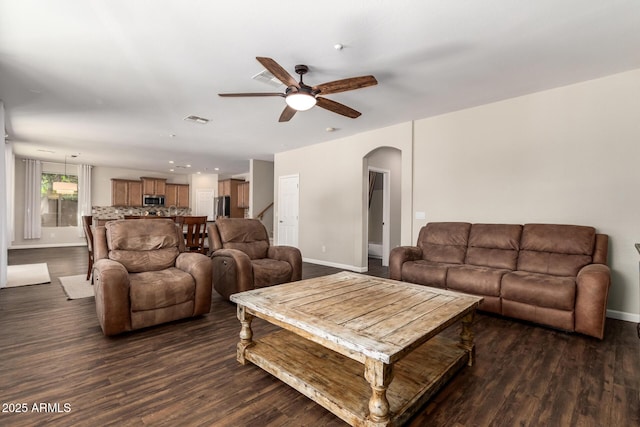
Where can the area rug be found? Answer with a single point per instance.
(77, 287)
(27, 274)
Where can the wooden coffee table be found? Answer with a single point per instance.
(365, 348)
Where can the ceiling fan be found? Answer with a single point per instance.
(301, 97)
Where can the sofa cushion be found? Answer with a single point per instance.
(564, 239)
(560, 250)
(141, 234)
(551, 263)
(425, 273)
(475, 280)
(494, 245)
(246, 235)
(558, 292)
(444, 241)
(268, 272)
(139, 261)
(151, 290)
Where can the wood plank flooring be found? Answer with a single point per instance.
(52, 352)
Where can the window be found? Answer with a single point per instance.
(59, 208)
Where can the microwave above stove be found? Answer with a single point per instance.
(148, 200)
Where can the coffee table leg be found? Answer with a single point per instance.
(246, 334)
(379, 376)
(466, 337)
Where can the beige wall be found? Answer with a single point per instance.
(4, 212)
(568, 155)
(334, 190)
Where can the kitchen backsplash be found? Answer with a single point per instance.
(117, 212)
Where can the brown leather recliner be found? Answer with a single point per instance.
(143, 277)
(243, 259)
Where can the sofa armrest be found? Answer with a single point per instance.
(100, 249)
(199, 266)
(111, 288)
(593, 282)
(288, 254)
(399, 256)
(232, 272)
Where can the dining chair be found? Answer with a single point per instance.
(87, 221)
(194, 232)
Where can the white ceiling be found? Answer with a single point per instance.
(113, 80)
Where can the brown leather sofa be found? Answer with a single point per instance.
(243, 258)
(143, 277)
(555, 275)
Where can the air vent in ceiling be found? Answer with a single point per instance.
(266, 77)
(197, 119)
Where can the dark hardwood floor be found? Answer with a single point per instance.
(52, 352)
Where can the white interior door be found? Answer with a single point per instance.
(288, 197)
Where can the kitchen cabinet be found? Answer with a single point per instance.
(243, 195)
(125, 192)
(177, 195)
(154, 186)
(229, 187)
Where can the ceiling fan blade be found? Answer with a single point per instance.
(279, 73)
(252, 94)
(336, 107)
(345, 85)
(287, 114)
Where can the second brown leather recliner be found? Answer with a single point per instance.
(243, 258)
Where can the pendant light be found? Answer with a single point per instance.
(62, 187)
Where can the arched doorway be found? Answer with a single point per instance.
(382, 210)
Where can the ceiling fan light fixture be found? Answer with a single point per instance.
(300, 101)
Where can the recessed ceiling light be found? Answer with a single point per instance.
(197, 119)
(188, 166)
(338, 46)
(170, 170)
(330, 129)
(171, 162)
(216, 169)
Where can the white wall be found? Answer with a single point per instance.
(334, 193)
(568, 155)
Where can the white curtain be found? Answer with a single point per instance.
(84, 194)
(10, 170)
(33, 182)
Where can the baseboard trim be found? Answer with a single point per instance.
(336, 265)
(621, 315)
(50, 245)
(375, 250)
